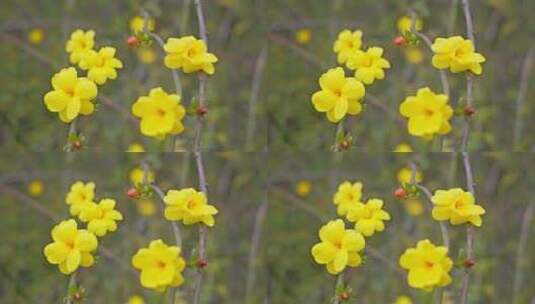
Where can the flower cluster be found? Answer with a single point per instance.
(428, 113)
(457, 206)
(161, 265)
(72, 247)
(72, 95)
(189, 206)
(341, 95)
(339, 247)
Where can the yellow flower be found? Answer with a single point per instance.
(136, 300)
(303, 188)
(405, 175)
(189, 54)
(339, 95)
(80, 196)
(100, 65)
(457, 54)
(101, 218)
(71, 95)
(414, 207)
(137, 24)
(457, 206)
(303, 36)
(36, 36)
(137, 176)
(403, 148)
(146, 55)
(135, 148)
(35, 188)
(347, 196)
(71, 247)
(369, 65)
(146, 207)
(405, 22)
(160, 113)
(368, 217)
(189, 206)
(428, 113)
(161, 265)
(338, 248)
(414, 55)
(428, 265)
(403, 300)
(79, 44)
(347, 44)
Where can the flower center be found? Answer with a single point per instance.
(428, 112)
(429, 265)
(366, 62)
(192, 204)
(160, 264)
(160, 113)
(458, 204)
(338, 245)
(70, 244)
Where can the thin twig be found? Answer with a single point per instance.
(522, 95)
(255, 90)
(469, 228)
(70, 287)
(253, 253)
(339, 284)
(521, 251)
(198, 155)
(443, 228)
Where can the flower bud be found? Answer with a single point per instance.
(400, 193)
(133, 41)
(469, 263)
(344, 145)
(399, 41)
(201, 263)
(469, 111)
(132, 193)
(77, 144)
(344, 296)
(202, 110)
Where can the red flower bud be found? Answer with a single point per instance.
(469, 111)
(202, 110)
(77, 296)
(400, 193)
(344, 296)
(132, 41)
(132, 193)
(344, 145)
(399, 41)
(77, 144)
(201, 263)
(469, 263)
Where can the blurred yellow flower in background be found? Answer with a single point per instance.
(36, 36)
(403, 300)
(405, 174)
(36, 188)
(403, 148)
(414, 207)
(137, 176)
(303, 188)
(136, 300)
(135, 147)
(404, 24)
(303, 36)
(146, 207)
(137, 23)
(414, 55)
(147, 55)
